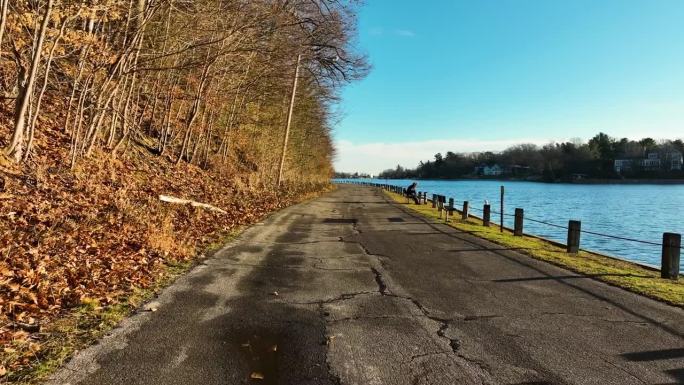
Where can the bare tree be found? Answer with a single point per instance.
(209, 82)
(25, 86)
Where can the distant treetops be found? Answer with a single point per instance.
(600, 157)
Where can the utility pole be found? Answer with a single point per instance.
(289, 120)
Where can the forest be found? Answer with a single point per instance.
(566, 161)
(106, 105)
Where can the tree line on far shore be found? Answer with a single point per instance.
(558, 161)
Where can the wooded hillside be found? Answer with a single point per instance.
(204, 82)
(108, 104)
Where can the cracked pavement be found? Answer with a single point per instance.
(352, 289)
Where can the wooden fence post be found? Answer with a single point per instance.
(451, 206)
(464, 213)
(486, 215)
(518, 226)
(502, 209)
(672, 244)
(434, 200)
(574, 228)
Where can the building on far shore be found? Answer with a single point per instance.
(667, 161)
(651, 162)
(485, 170)
(676, 161)
(623, 165)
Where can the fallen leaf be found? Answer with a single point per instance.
(256, 376)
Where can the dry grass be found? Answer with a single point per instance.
(161, 237)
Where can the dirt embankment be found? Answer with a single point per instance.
(95, 234)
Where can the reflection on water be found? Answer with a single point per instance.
(643, 212)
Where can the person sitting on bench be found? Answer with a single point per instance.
(411, 192)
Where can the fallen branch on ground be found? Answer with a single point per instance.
(170, 199)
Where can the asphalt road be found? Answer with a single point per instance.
(352, 289)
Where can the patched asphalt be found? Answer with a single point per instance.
(352, 289)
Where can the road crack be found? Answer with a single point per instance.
(382, 286)
(423, 355)
(481, 317)
(383, 289)
(620, 368)
(347, 319)
(341, 297)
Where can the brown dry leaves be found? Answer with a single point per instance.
(93, 235)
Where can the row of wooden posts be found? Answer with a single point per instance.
(671, 246)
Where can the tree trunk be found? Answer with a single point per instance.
(188, 127)
(78, 123)
(207, 146)
(225, 139)
(289, 121)
(15, 148)
(158, 76)
(3, 20)
(81, 66)
(36, 112)
(195, 110)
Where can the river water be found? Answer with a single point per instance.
(642, 212)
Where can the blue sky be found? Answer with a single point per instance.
(482, 74)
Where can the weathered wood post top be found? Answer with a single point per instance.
(518, 225)
(574, 231)
(672, 244)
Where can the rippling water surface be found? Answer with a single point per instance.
(641, 212)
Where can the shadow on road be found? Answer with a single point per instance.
(562, 277)
(666, 354)
(201, 337)
(530, 264)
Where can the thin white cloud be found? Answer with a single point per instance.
(377, 31)
(375, 157)
(404, 33)
(380, 31)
